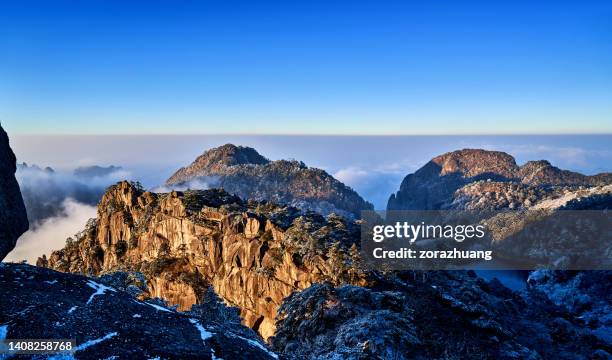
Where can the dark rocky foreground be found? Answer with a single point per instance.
(109, 323)
(409, 315)
(444, 315)
(585, 294)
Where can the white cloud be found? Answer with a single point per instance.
(45, 191)
(354, 175)
(351, 175)
(376, 184)
(201, 183)
(34, 177)
(52, 233)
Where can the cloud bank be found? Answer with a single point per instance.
(58, 204)
(44, 191)
(201, 183)
(375, 184)
(51, 233)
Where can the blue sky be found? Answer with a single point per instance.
(305, 67)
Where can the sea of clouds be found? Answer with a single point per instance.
(58, 204)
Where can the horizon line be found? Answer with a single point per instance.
(318, 134)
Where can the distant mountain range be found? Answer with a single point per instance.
(94, 171)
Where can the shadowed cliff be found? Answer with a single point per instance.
(13, 217)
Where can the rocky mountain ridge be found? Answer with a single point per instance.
(254, 254)
(244, 172)
(484, 185)
(438, 183)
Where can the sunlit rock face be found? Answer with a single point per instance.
(13, 217)
(253, 254)
(243, 171)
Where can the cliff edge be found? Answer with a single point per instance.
(13, 217)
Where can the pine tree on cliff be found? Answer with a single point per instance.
(336, 260)
(356, 269)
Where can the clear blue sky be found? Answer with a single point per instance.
(302, 67)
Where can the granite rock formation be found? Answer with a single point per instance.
(491, 182)
(439, 182)
(13, 217)
(254, 254)
(244, 172)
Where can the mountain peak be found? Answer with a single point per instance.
(433, 186)
(473, 162)
(216, 159)
(244, 172)
(230, 154)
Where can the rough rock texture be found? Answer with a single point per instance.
(13, 217)
(218, 159)
(433, 315)
(103, 315)
(253, 254)
(543, 173)
(489, 181)
(244, 172)
(540, 232)
(434, 185)
(586, 295)
(495, 195)
(109, 323)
